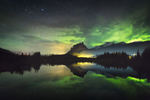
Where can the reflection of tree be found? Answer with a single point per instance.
(17, 68)
(143, 70)
(36, 66)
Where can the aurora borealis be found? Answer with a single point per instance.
(55, 26)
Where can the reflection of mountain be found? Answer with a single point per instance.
(137, 71)
(133, 71)
(77, 70)
(110, 47)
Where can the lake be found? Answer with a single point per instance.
(76, 81)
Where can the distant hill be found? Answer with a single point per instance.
(6, 55)
(5, 52)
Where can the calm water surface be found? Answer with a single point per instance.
(75, 82)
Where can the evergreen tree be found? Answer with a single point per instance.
(146, 54)
(138, 54)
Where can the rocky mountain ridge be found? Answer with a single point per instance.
(77, 48)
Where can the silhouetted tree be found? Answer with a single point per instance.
(146, 54)
(138, 55)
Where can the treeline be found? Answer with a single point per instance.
(144, 57)
(107, 58)
(117, 56)
(20, 63)
(113, 57)
(16, 58)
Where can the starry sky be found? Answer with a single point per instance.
(54, 26)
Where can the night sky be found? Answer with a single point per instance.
(53, 27)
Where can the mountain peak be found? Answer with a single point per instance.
(120, 43)
(77, 48)
(109, 44)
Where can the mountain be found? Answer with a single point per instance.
(108, 44)
(123, 72)
(104, 45)
(130, 48)
(77, 48)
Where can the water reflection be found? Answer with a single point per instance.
(81, 68)
(107, 71)
(58, 82)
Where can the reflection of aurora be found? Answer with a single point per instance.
(70, 80)
(118, 80)
(97, 83)
(66, 77)
(58, 81)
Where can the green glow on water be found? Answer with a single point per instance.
(98, 75)
(60, 81)
(131, 87)
(142, 81)
(67, 81)
(119, 80)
